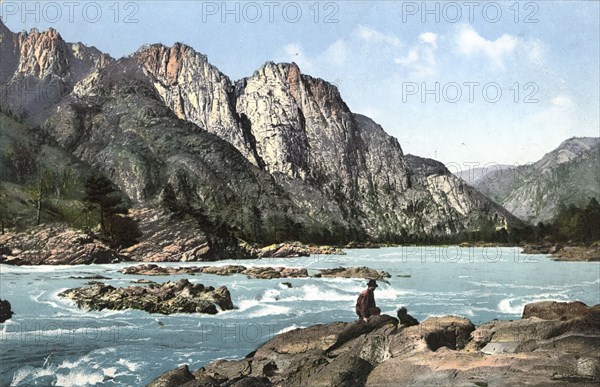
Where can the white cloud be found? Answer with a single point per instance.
(471, 43)
(373, 36)
(561, 100)
(429, 37)
(337, 53)
(535, 50)
(420, 58)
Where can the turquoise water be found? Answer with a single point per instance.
(51, 342)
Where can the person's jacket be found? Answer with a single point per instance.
(365, 302)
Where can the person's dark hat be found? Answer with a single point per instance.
(372, 283)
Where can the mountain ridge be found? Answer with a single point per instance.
(567, 175)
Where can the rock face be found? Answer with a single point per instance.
(39, 68)
(6, 312)
(552, 310)
(439, 351)
(533, 192)
(195, 90)
(55, 245)
(167, 240)
(180, 297)
(177, 377)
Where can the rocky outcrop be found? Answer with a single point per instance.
(164, 239)
(291, 250)
(40, 68)
(177, 377)
(6, 312)
(54, 245)
(541, 249)
(180, 297)
(252, 272)
(578, 253)
(439, 351)
(552, 310)
(260, 272)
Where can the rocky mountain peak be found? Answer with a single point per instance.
(169, 63)
(195, 91)
(568, 150)
(42, 54)
(298, 123)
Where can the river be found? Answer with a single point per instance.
(51, 342)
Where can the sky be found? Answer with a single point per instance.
(469, 83)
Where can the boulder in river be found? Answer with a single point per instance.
(355, 272)
(179, 297)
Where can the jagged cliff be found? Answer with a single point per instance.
(567, 175)
(277, 153)
(39, 68)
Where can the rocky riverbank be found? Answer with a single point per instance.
(257, 271)
(161, 241)
(559, 252)
(553, 344)
(54, 245)
(180, 297)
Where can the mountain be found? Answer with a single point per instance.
(570, 174)
(275, 156)
(39, 68)
(299, 129)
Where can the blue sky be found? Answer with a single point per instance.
(542, 56)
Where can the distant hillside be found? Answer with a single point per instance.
(568, 175)
(474, 175)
